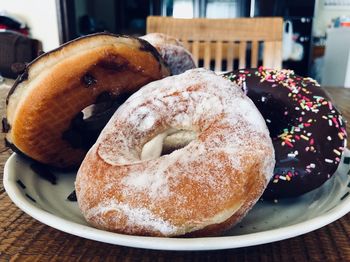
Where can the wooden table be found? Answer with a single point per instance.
(24, 239)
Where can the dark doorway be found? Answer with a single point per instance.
(82, 17)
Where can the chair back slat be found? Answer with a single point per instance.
(270, 56)
(227, 40)
(207, 54)
(185, 43)
(195, 51)
(242, 54)
(218, 56)
(230, 55)
(254, 54)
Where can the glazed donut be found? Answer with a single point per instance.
(45, 107)
(200, 189)
(307, 131)
(172, 51)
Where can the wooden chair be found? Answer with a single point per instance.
(218, 42)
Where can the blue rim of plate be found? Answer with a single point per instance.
(159, 243)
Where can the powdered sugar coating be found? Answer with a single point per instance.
(141, 216)
(172, 51)
(221, 173)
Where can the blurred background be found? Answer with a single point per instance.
(310, 26)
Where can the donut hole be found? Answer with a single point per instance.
(104, 107)
(167, 142)
(98, 110)
(86, 126)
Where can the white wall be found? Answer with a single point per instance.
(39, 15)
(336, 68)
(324, 16)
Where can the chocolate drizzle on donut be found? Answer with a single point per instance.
(84, 130)
(18, 68)
(147, 47)
(5, 125)
(114, 64)
(21, 78)
(88, 80)
(40, 52)
(307, 131)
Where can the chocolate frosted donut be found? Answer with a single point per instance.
(50, 112)
(175, 55)
(308, 132)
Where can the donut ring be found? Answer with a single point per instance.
(201, 189)
(175, 55)
(44, 106)
(307, 131)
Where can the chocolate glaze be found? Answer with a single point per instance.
(40, 52)
(147, 47)
(307, 131)
(88, 80)
(18, 68)
(19, 152)
(115, 63)
(21, 78)
(15, 149)
(104, 97)
(5, 125)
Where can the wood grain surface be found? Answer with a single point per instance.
(24, 239)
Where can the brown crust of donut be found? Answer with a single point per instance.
(253, 194)
(253, 183)
(145, 46)
(60, 93)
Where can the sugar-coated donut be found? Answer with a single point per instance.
(307, 131)
(200, 189)
(44, 108)
(175, 55)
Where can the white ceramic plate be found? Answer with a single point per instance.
(266, 222)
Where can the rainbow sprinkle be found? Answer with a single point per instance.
(307, 104)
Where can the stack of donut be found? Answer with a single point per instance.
(182, 155)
